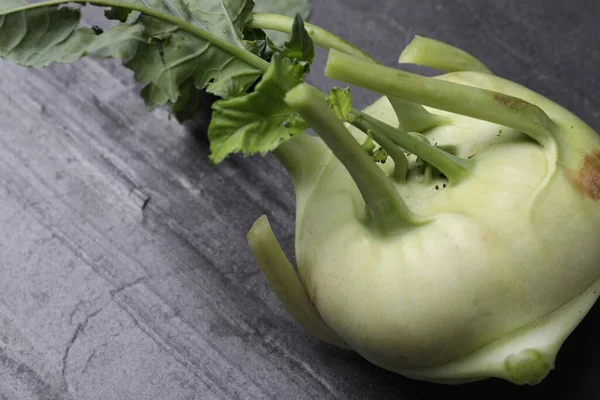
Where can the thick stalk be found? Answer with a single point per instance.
(413, 117)
(466, 100)
(442, 56)
(230, 48)
(455, 168)
(286, 284)
(320, 36)
(428, 175)
(386, 210)
(303, 157)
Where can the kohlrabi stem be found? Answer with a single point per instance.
(428, 174)
(320, 36)
(455, 168)
(413, 117)
(235, 50)
(466, 100)
(292, 154)
(442, 56)
(395, 152)
(386, 210)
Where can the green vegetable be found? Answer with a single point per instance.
(259, 121)
(447, 232)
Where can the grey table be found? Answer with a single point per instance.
(124, 271)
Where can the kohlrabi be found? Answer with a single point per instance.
(448, 232)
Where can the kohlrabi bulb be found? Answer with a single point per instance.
(488, 271)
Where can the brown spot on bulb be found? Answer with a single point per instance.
(588, 178)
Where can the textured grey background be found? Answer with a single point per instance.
(99, 300)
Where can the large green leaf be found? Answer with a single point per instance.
(162, 54)
(260, 121)
(176, 54)
(11, 4)
(39, 37)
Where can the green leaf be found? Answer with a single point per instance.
(39, 37)
(173, 55)
(282, 7)
(380, 155)
(190, 103)
(300, 46)
(260, 121)
(340, 101)
(163, 55)
(10, 4)
(256, 39)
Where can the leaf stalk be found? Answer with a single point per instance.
(461, 99)
(386, 210)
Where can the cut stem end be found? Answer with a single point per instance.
(441, 56)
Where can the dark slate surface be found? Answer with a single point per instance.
(100, 299)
